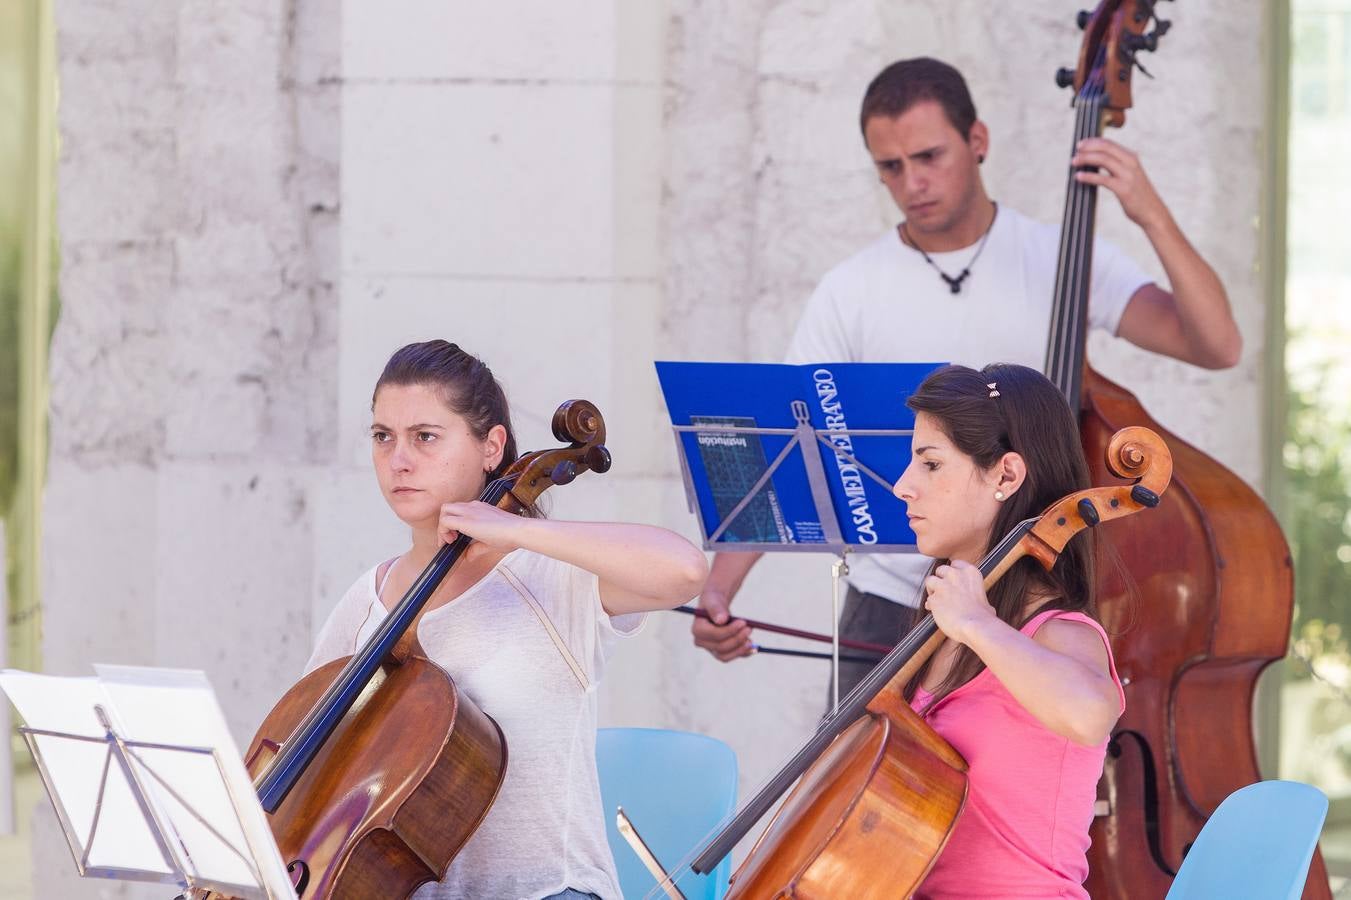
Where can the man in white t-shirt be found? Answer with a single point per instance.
(965, 281)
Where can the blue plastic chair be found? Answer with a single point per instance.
(1257, 844)
(675, 786)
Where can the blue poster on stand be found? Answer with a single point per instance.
(724, 465)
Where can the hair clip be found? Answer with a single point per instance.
(991, 386)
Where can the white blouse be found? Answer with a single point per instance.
(528, 643)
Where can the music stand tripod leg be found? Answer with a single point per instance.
(838, 570)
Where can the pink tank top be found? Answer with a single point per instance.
(1024, 829)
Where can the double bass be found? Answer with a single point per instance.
(877, 790)
(357, 808)
(1213, 591)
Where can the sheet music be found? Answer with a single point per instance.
(196, 795)
(767, 485)
(733, 463)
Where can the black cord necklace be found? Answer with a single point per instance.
(954, 283)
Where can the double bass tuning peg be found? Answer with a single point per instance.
(1134, 43)
(1064, 77)
(1083, 18)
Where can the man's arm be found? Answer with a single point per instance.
(1193, 323)
(724, 637)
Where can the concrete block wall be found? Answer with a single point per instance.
(194, 364)
(501, 188)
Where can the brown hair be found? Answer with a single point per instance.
(1031, 418)
(465, 384)
(903, 84)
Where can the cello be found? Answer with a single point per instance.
(1213, 595)
(877, 789)
(357, 809)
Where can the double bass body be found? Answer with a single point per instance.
(1213, 597)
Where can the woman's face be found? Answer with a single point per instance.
(425, 455)
(949, 500)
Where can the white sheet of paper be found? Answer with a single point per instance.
(169, 706)
(77, 769)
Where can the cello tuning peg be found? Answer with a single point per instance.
(598, 459)
(1083, 18)
(564, 472)
(1088, 512)
(1064, 77)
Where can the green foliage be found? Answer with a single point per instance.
(9, 371)
(1318, 491)
(9, 405)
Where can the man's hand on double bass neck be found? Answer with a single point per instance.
(723, 636)
(1120, 171)
(1192, 320)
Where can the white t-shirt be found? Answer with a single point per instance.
(545, 832)
(886, 304)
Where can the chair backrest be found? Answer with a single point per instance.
(674, 786)
(1258, 843)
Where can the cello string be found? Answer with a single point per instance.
(491, 494)
(874, 682)
(344, 682)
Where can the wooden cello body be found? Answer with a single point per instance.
(888, 781)
(397, 789)
(1211, 595)
(374, 769)
(877, 790)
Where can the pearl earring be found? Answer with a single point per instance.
(999, 495)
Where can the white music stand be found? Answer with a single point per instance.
(147, 782)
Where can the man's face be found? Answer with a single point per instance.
(929, 169)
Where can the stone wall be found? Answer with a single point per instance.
(194, 364)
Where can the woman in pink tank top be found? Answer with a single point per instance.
(1024, 686)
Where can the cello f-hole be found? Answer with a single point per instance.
(302, 880)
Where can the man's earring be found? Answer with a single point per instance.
(999, 495)
(980, 158)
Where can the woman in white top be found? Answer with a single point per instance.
(523, 623)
